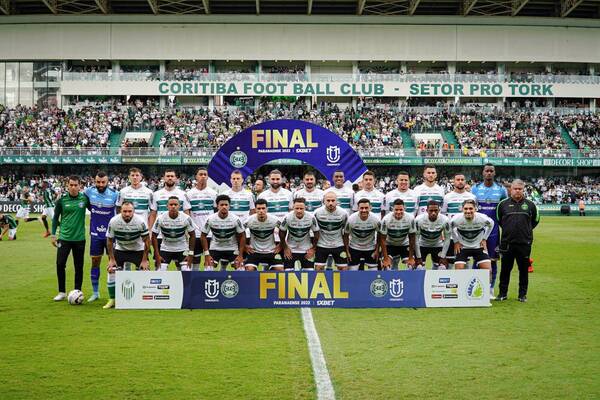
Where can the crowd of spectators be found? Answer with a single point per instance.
(584, 130)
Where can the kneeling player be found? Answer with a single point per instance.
(131, 235)
(470, 231)
(228, 238)
(332, 242)
(398, 237)
(295, 239)
(362, 237)
(175, 246)
(8, 224)
(263, 249)
(433, 233)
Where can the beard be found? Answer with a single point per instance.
(275, 186)
(169, 184)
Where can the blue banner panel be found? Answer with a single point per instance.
(285, 139)
(348, 289)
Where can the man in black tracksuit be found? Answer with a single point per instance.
(517, 217)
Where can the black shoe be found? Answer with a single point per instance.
(523, 299)
(501, 298)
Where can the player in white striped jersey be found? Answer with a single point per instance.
(345, 195)
(202, 200)
(331, 220)
(362, 237)
(312, 195)
(178, 232)
(262, 248)
(279, 200)
(433, 237)
(127, 243)
(403, 192)
(160, 198)
(295, 237)
(398, 237)
(242, 200)
(428, 190)
(470, 231)
(369, 192)
(228, 238)
(453, 202)
(137, 193)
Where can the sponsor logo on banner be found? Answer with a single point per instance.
(230, 288)
(155, 281)
(396, 288)
(379, 287)
(128, 289)
(451, 296)
(161, 297)
(444, 280)
(436, 296)
(475, 289)
(238, 158)
(162, 286)
(333, 154)
(211, 288)
(147, 297)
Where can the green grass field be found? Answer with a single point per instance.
(546, 348)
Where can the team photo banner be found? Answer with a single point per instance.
(329, 289)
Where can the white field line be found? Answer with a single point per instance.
(322, 380)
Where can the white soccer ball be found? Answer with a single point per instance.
(75, 297)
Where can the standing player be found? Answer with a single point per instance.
(331, 220)
(202, 199)
(136, 193)
(131, 234)
(259, 187)
(69, 214)
(402, 192)
(160, 198)
(428, 190)
(470, 231)
(489, 194)
(433, 237)
(453, 202)
(177, 230)
(295, 237)
(262, 248)
(279, 200)
(103, 201)
(242, 200)
(375, 197)
(398, 237)
(49, 201)
(228, 238)
(361, 237)
(345, 195)
(8, 224)
(312, 195)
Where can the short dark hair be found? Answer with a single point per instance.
(402, 173)
(300, 200)
(369, 172)
(135, 169)
(470, 201)
(100, 174)
(170, 170)
(127, 202)
(236, 172)
(275, 171)
(488, 165)
(364, 200)
(428, 166)
(309, 173)
(222, 197)
(398, 202)
(201, 169)
(260, 201)
(433, 203)
(174, 198)
(75, 178)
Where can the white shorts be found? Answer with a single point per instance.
(12, 233)
(23, 213)
(49, 212)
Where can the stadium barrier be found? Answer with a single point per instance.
(330, 289)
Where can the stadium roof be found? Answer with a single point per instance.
(515, 8)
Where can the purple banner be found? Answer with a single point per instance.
(285, 139)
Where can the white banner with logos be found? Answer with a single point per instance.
(462, 288)
(149, 289)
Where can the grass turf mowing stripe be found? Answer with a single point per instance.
(322, 380)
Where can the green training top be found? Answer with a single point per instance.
(9, 219)
(70, 211)
(49, 198)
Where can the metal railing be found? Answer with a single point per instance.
(382, 151)
(335, 77)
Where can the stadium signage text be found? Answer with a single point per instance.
(348, 289)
